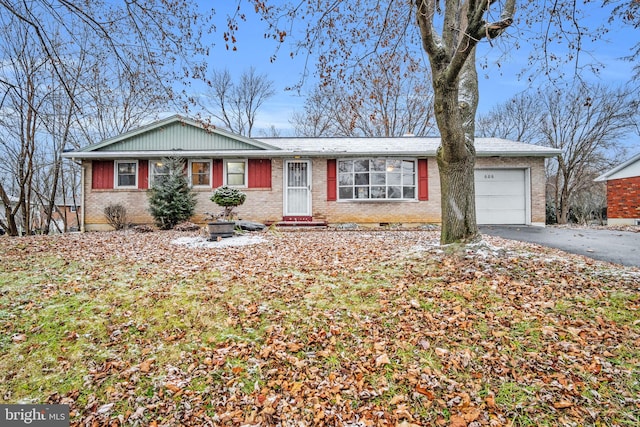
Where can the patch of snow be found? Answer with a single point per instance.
(201, 242)
(348, 226)
(486, 249)
(427, 247)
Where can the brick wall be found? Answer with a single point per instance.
(623, 198)
(374, 212)
(266, 204)
(262, 204)
(420, 211)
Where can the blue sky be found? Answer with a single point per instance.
(496, 85)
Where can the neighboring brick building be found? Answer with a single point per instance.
(67, 216)
(330, 180)
(623, 193)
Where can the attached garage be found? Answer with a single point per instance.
(501, 196)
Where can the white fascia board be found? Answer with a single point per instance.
(605, 176)
(232, 153)
(546, 153)
(285, 153)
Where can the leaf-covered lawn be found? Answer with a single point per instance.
(353, 328)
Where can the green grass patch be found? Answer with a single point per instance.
(352, 337)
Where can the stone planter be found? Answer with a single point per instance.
(221, 229)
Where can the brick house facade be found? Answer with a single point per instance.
(370, 181)
(623, 193)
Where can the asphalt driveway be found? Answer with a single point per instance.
(621, 247)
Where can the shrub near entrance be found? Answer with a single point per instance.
(224, 225)
(228, 198)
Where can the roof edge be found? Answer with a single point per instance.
(552, 152)
(282, 153)
(605, 176)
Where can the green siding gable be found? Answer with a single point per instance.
(178, 136)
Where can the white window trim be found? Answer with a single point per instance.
(246, 172)
(378, 200)
(115, 174)
(191, 161)
(151, 174)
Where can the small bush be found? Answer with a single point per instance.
(116, 216)
(228, 198)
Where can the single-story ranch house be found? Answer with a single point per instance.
(623, 193)
(369, 181)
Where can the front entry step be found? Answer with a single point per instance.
(306, 224)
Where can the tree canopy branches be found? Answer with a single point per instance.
(162, 35)
(235, 104)
(78, 71)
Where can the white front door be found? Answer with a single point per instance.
(297, 184)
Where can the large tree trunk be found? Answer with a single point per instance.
(455, 84)
(458, 199)
(455, 108)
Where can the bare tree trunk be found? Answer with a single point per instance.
(28, 152)
(564, 203)
(556, 198)
(458, 199)
(562, 193)
(11, 227)
(75, 202)
(52, 195)
(455, 108)
(63, 189)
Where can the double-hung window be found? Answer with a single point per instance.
(236, 173)
(377, 179)
(126, 174)
(200, 173)
(158, 172)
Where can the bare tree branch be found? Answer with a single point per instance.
(236, 104)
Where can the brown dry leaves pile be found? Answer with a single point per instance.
(365, 328)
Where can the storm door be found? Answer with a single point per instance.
(297, 197)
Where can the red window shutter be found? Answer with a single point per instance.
(423, 180)
(332, 180)
(259, 173)
(102, 174)
(218, 173)
(143, 174)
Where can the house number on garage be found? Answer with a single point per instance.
(488, 176)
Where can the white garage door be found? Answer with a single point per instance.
(501, 196)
